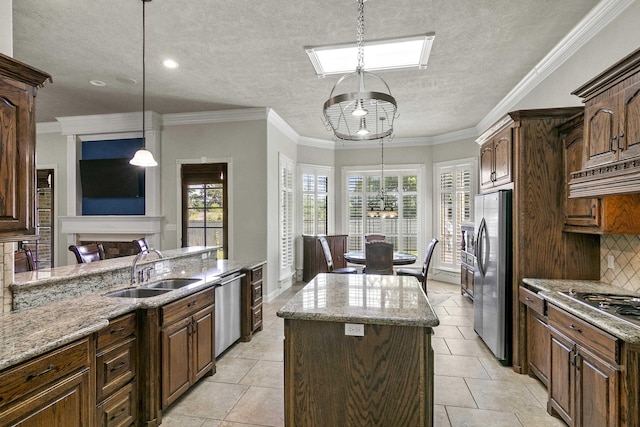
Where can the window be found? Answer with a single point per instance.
(315, 199)
(455, 188)
(286, 216)
(402, 195)
(204, 206)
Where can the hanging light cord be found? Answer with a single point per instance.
(144, 71)
(360, 34)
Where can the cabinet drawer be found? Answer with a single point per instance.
(186, 306)
(256, 294)
(532, 300)
(31, 376)
(118, 329)
(120, 409)
(115, 366)
(585, 333)
(256, 317)
(256, 274)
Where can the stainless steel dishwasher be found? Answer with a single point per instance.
(227, 309)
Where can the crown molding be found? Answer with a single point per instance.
(277, 121)
(222, 116)
(598, 18)
(317, 143)
(108, 123)
(48, 127)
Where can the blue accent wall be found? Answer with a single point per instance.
(113, 149)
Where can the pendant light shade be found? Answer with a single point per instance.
(143, 157)
(384, 208)
(347, 113)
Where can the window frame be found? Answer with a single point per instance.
(316, 170)
(286, 227)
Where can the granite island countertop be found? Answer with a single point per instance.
(362, 298)
(551, 290)
(31, 332)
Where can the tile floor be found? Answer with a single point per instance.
(471, 387)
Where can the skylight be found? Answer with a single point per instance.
(388, 54)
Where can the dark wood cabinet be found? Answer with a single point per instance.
(251, 295)
(18, 86)
(314, 261)
(496, 160)
(584, 381)
(56, 389)
(187, 343)
(116, 365)
(538, 338)
(613, 214)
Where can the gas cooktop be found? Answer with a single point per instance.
(625, 307)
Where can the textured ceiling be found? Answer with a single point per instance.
(241, 53)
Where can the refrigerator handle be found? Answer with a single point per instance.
(479, 249)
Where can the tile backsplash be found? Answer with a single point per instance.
(625, 250)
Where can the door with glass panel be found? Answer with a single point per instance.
(204, 206)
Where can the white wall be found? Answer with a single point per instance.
(6, 27)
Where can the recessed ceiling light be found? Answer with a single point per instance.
(387, 54)
(170, 63)
(97, 83)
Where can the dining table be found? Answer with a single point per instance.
(399, 258)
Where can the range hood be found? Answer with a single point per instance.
(613, 178)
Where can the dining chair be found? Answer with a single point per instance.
(329, 259)
(88, 253)
(141, 244)
(378, 257)
(23, 261)
(421, 275)
(374, 238)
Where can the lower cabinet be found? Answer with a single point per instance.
(314, 261)
(538, 337)
(251, 320)
(584, 372)
(187, 343)
(55, 389)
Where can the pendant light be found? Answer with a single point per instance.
(384, 210)
(143, 157)
(347, 114)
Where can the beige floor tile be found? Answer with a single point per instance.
(503, 373)
(263, 351)
(439, 346)
(175, 420)
(538, 417)
(455, 320)
(508, 396)
(440, 417)
(231, 369)
(464, 417)
(259, 405)
(216, 423)
(464, 347)
(468, 332)
(452, 391)
(265, 373)
(459, 366)
(234, 350)
(459, 311)
(208, 399)
(447, 331)
(440, 311)
(539, 391)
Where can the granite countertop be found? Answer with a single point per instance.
(31, 332)
(551, 289)
(362, 298)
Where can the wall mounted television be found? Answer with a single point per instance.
(111, 178)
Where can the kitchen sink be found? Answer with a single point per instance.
(137, 293)
(171, 284)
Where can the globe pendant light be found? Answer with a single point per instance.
(346, 114)
(143, 157)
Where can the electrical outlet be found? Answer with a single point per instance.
(159, 267)
(610, 261)
(204, 256)
(354, 329)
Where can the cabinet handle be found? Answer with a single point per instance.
(613, 145)
(528, 299)
(192, 303)
(118, 366)
(575, 328)
(620, 144)
(118, 415)
(113, 331)
(39, 374)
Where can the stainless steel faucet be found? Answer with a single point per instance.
(134, 271)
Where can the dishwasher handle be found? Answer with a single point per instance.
(231, 278)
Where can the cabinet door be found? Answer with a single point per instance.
(66, 403)
(203, 343)
(596, 392)
(502, 158)
(17, 151)
(176, 368)
(538, 344)
(601, 138)
(338, 245)
(561, 376)
(486, 165)
(629, 134)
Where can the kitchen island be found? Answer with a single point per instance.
(357, 352)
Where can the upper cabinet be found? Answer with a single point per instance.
(496, 157)
(18, 85)
(611, 132)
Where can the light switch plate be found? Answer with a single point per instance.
(354, 329)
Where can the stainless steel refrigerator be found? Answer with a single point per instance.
(492, 312)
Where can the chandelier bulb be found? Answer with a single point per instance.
(363, 128)
(359, 111)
